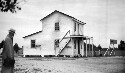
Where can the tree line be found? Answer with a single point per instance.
(121, 46)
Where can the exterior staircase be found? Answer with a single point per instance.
(64, 42)
(106, 52)
(109, 52)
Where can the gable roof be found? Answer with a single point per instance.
(32, 34)
(74, 19)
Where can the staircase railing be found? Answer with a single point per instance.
(111, 52)
(64, 46)
(62, 43)
(106, 51)
(65, 35)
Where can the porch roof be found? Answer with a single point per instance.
(77, 36)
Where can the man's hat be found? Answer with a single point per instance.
(12, 30)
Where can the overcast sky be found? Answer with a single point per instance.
(105, 18)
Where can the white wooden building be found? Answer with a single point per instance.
(61, 34)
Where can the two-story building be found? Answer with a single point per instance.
(61, 34)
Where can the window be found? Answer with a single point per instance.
(75, 27)
(74, 44)
(32, 43)
(57, 26)
(57, 42)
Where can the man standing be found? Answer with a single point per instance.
(8, 53)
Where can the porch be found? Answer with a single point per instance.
(87, 51)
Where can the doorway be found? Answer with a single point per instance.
(78, 46)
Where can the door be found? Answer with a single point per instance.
(78, 46)
(56, 46)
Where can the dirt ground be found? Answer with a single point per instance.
(70, 65)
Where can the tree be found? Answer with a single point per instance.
(99, 47)
(121, 46)
(9, 5)
(16, 47)
(1, 44)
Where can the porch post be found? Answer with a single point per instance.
(89, 46)
(83, 47)
(77, 29)
(55, 52)
(113, 49)
(73, 47)
(92, 46)
(86, 46)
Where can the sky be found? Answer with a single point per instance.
(105, 19)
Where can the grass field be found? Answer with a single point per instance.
(70, 65)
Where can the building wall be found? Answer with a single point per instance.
(79, 29)
(65, 23)
(68, 49)
(41, 39)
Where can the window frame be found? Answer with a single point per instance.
(33, 43)
(75, 27)
(57, 26)
(56, 42)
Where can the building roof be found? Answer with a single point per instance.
(74, 19)
(32, 34)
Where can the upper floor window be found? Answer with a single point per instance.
(33, 43)
(75, 27)
(57, 26)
